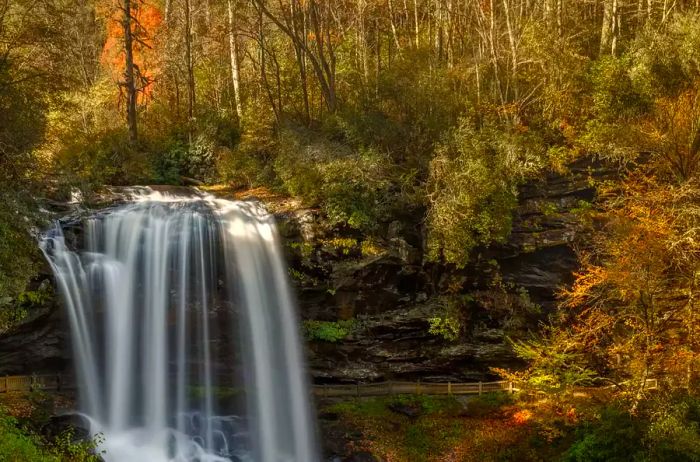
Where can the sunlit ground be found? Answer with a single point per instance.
(445, 429)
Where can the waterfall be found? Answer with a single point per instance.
(185, 332)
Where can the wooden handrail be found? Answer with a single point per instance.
(61, 382)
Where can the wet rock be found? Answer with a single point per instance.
(58, 425)
(329, 416)
(38, 344)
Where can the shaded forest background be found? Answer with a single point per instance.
(376, 110)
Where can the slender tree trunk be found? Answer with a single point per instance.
(303, 74)
(615, 27)
(394, 33)
(560, 18)
(129, 74)
(263, 67)
(378, 67)
(416, 23)
(235, 75)
(191, 95)
(606, 31)
(513, 50)
(362, 40)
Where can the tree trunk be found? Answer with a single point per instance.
(606, 31)
(235, 75)
(416, 23)
(191, 96)
(129, 74)
(263, 67)
(394, 33)
(296, 10)
(615, 27)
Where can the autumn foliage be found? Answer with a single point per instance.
(145, 27)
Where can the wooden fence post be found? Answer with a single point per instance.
(481, 388)
(449, 388)
(418, 387)
(510, 387)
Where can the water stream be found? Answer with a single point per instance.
(185, 332)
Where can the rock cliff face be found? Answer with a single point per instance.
(40, 343)
(386, 296)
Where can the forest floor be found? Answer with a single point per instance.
(488, 428)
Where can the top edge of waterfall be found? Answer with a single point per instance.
(190, 194)
(164, 193)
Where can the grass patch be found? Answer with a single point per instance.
(488, 403)
(445, 429)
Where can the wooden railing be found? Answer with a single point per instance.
(413, 388)
(47, 382)
(63, 382)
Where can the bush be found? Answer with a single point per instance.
(19, 254)
(473, 187)
(674, 434)
(329, 331)
(17, 446)
(353, 187)
(615, 437)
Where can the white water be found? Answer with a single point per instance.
(174, 301)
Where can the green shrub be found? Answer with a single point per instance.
(329, 331)
(674, 433)
(66, 448)
(615, 437)
(472, 187)
(17, 446)
(352, 186)
(19, 254)
(20, 445)
(446, 327)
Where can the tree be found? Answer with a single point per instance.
(633, 304)
(129, 71)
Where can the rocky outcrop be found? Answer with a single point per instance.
(391, 294)
(38, 344)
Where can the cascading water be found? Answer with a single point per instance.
(179, 305)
